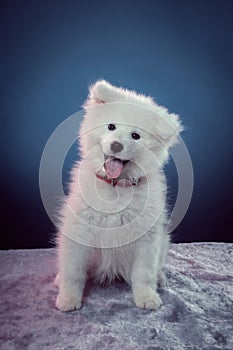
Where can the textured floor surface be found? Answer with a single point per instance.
(197, 311)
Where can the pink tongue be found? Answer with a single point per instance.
(113, 168)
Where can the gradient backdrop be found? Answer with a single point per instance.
(180, 52)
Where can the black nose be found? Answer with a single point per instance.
(116, 147)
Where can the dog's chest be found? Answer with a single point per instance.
(108, 219)
(116, 207)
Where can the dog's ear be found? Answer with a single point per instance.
(101, 92)
(167, 127)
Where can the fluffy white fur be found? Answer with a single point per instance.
(111, 231)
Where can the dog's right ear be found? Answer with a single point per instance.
(100, 93)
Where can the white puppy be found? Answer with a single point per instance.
(113, 223)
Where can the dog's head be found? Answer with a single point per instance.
(124, 132)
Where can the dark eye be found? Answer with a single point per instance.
(135, 136)
(111, 127)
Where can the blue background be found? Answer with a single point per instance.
(180, 52)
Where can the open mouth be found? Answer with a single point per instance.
(114, 166)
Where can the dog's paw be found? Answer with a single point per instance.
(68, 303)
(150, 301)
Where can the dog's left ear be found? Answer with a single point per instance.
(168, 126)
(100, 93)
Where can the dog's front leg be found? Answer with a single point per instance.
(144, 277)
(72, 274)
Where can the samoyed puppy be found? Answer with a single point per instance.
(113, 223)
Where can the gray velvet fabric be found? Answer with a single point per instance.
(197, 311)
